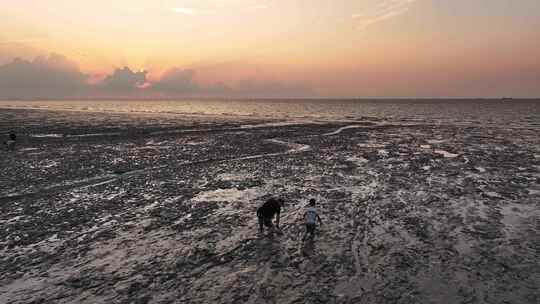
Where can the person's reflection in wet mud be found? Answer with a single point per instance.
(10, 143)
(308, 247)
(266, 213)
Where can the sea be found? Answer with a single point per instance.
(487, 112)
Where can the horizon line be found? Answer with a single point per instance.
(269, 98)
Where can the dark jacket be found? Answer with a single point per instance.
(269, 209)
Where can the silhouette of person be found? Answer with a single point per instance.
(10, 143)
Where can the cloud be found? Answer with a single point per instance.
(177, 81)
(124, 80)
(385, 9)
(220, 6)
(56, 77)
(11, 49)
(182, 82)
(45, 77)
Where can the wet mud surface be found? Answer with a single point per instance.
(105, 208)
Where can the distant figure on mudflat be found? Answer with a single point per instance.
(10, 143)
(311, 216)
(266, 213)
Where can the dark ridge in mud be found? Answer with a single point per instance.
(143, 209)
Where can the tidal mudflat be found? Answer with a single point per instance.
(118, 208)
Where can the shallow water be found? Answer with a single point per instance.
(518, 113)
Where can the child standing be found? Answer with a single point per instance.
(311, 216)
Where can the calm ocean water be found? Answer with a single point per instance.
(513, 113)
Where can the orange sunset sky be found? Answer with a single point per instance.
(269, 48)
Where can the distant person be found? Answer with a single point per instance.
(10, 143)
(311, 217)
(266, 213)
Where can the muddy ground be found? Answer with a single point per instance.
(106, 208)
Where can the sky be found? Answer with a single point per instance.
(269, 48)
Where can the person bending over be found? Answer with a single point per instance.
(266, 213)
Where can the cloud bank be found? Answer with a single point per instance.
(56, 77)
(52, 77)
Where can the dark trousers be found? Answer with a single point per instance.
(265, 221)
(310, 229)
